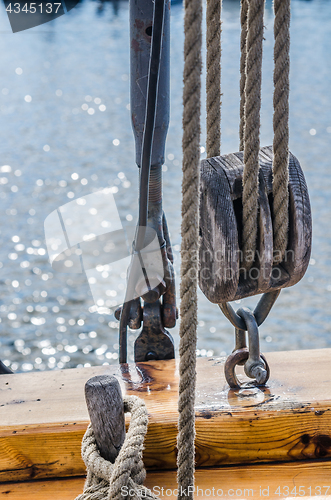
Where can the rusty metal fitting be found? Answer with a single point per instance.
(240, 357)
(255, 365)
(135, 315)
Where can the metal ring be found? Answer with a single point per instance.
(261, 311)
(237, 358)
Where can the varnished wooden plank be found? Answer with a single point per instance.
(56, 489)
(253, 481)
(43, 415)
(271, 481)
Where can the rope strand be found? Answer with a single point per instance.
(252, 128)
(213, 77)
(281, 127)
(189, 247)
(243, 56)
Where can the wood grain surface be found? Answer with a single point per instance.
(43, 416)
(269, 481)
(106, 411)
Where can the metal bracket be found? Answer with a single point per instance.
(154, 342)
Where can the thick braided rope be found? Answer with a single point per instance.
(252, 128)
(213, 78)
(243, 55)
(281, 126)
(124, 478)
(189, 246)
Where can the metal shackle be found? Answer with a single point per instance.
(255, 364)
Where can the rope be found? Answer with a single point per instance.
(189, 246)
(281, 127)
(252, 128)
(213, 78)
(125, 477)
(243, 55)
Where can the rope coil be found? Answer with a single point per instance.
(124, 478)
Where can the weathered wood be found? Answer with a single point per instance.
(154, 342)
(273, 481)
(106, 410)
(43, 416)
(220, 278)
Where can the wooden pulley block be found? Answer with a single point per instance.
(222, 277)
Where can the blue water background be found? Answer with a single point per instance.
(58, 151)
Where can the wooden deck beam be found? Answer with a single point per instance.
(252, 482)
(43, 415)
